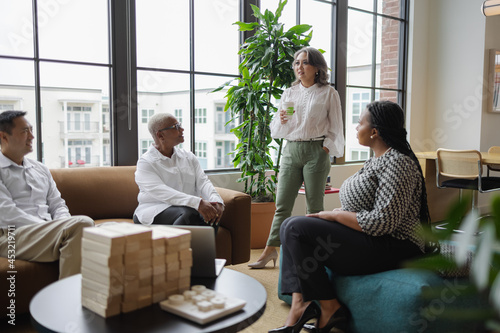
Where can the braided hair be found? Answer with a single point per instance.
(388, 118)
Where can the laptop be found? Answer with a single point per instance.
(205, 265)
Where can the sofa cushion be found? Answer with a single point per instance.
(100, 192)
(30, 277)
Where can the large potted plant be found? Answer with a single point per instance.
(265, 71)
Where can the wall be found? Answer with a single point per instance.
(490, 127)
(446, 77)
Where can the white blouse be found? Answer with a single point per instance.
(317, 113)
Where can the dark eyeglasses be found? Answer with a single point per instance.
(177, 126)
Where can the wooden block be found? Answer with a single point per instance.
(103, 259)
(173, 284)
(102, 268)
(104, 236)
(101, 310)
(185, 254)
(104, 249)
(131, 289)
(145, 291)
(129, 306)
(159, 296)
(159, 269)
(172, 275)
(184, 272)
(102, 275)
(146, 252)
(146, 244)
(146, 272)
(158, 260)
(186, 263)
(158, 279)
(145, 282)
(174, 248)
(171, 258)
(114, 282)
(102, 288)
(103, 299)
(145, 301)
(159, 287)
(134, 231)
(174, 266)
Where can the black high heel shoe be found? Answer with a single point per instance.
(312, 311)
(338, 320)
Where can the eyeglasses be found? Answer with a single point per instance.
(177, 126)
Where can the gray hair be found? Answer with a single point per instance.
(156, 122)
(317, 60)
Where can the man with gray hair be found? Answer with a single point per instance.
(32, 210)
(173, 189)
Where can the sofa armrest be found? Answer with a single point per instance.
(236, 219)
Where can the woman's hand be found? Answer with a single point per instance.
(327, 150)
(346, 218)
(283, 117)
(325, 215)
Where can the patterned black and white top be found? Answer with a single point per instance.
(385, 194)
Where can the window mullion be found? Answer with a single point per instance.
(124, 83)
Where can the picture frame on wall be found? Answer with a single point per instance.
(494, 81)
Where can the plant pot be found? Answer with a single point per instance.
(261, 220)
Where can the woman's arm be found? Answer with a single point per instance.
(341, 216)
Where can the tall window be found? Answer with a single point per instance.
(58, 71)
(137, 56)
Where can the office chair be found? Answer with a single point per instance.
(493, 167)
(463, 170)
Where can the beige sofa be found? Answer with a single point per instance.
(110, 194)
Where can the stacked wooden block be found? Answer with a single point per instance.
(127, 266)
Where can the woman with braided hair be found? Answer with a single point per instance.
(384, 207)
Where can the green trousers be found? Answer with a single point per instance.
(303, 161)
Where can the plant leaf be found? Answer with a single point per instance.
(466, 238)
(482, 260)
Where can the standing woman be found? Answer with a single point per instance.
(313, 134)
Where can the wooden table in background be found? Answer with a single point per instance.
(439, 200)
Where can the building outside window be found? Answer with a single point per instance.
(200, 116)
(146, 115)
(145, 144)
(224, 154)
(79, 118)
(222, 124)
(79, 152)
(359, 154)
(178, 115)
(201, 153)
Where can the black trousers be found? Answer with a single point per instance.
(181, 215)
(310, 244)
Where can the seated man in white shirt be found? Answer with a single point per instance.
(31, 206)
(173, 187)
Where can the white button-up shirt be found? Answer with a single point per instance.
(175, 181)
(317, 113)
(28, 194)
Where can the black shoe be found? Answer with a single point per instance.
(312, 311)
(339, 320)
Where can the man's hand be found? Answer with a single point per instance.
(208, 212)
(220, 210)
